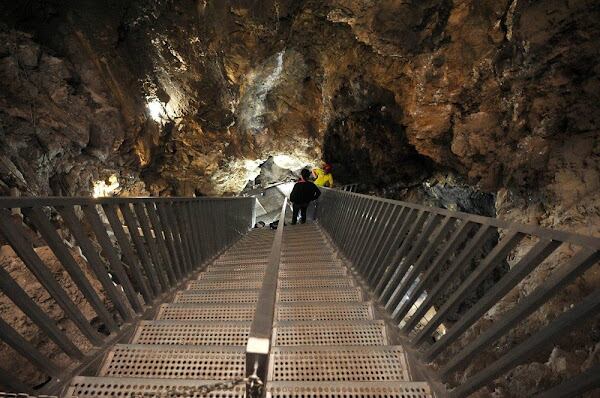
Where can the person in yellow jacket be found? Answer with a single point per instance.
(323, 177)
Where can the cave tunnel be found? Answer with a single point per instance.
(487, 111)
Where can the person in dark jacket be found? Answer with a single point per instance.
(303, 193)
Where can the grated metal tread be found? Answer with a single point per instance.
(175, 362)
(232, 275)
(93, 387)
(344, 333)
(397, 389)
(224, 285)
(168, 332)
(324, 311)
(305, 295)
(335, 282)
(311, 273)
(309, 363)
(217, 296)
(238, 261)
(234, 268)
(206, 312)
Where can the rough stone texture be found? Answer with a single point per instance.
(22, 324)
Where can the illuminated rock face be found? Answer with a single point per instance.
(179, 97)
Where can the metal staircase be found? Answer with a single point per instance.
(325, 341)
(189, 302)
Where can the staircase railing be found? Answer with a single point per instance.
(261, 330)
(438, 272)
(123, 256)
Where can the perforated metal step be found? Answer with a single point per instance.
(239, 261)
(94, 387)
(224, 285)
(232, 275)
(206, 312)
(324, 311)
(382, 363)
(236, 268)
(169, 332)
(217, 296)
(326, 282)
(344, 333)
(303, 389)
(311, 273)
(175, 362)
(306, 295)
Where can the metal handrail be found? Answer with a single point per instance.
(139, 250)
(408, 255)
(261, 330)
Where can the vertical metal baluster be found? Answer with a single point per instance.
(193, 237)
(409, 259)
(9, 381)
(378, 240)
(182, 227)
(15, 234)
(498, 253)
(371, 237)
(185, 265)
(61, 251)
(171, 243)
(161, 239)
(17, 295)
(27, 350)
(166, 219)
(390, 260)
(420, 261)
(458, 264)
(459, 235)
(355, 238)
(396, 265)
(109, 252)
(151, 237)
(389, 245)
(96, 264)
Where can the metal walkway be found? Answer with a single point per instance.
(326, 340)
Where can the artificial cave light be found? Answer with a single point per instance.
(104, 188)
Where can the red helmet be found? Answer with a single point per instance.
(327, 168)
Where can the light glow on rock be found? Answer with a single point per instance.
(289, 162)
(156, 110)
(104, 188)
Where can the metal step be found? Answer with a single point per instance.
(236, 268)
(310, 363)
(324, 311)
(344, 333)
(94, 387)
(303, 389)
(206, 312)
(232, 275)
(217, 296)
(209, 284)
(238, 261)
(327, 282)
(168, 332)
(305, 295)
(311, 273)
(311, 266)
(175, 362)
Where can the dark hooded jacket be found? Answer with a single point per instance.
(304, 192)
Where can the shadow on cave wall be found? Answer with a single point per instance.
(366, 144)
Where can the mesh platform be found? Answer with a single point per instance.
(348, 390)
(344, 333)
(175, 362)
(192, 333)
(217, 296)
(335, 282)
(323, 311)
(206, 312)
(224, 285)
(383, 363)
(93, 387)
(232, 275)
(311, 273)
(306, 295)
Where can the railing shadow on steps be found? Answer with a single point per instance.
(133, 254)
(432, 270)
